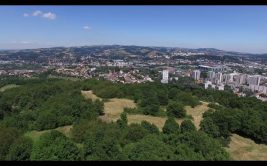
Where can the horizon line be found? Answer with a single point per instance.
(49, 47)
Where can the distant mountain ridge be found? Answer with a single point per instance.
(138, 50)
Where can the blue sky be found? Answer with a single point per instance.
(234, 28)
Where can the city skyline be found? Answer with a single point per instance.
(230, 28)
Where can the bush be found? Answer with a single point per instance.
(20, 149)
(171, 127)
(176, 110)
(187, 126)
(153, 129)
(54, 146)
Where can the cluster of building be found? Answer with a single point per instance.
(79, 71)
(219, 76)
(238, 82)
(132, 76)
(20, 73)
(180, 53)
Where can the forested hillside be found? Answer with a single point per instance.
(46, 104)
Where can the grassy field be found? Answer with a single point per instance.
(114, 107)
(197, 112)
(90, 95)
(241, 148)
(36, 134)
(2, 89)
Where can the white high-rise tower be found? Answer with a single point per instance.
(165, 76)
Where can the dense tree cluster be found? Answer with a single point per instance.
(246, 116)
(46, 105)
(145, 142)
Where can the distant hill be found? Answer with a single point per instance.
(120, 51)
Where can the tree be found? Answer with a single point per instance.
(163, 96)
(150, 103)
(90, 144)
(173, 93)
(54, 146)
(99, 105)
(207, 125)
(153, 129)
(201, 143)
(176, 110)
(20, 149)
(171, 127)
(151, 110)
(135, 132)
(109, 149)
(187, 126)
(122, 122)
(184, 152)
(7, 137)
(149, 148)
(46, 120)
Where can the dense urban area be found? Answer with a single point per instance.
(244, 73)
(115, 102)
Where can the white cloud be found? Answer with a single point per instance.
(25, 15)
(49, 15)
(86, 27)
(37, 13)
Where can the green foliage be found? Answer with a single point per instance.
(242, 115)
(7, 137)
(208, 147)
(149, 148)
(102, 141)
(49, 103)
(163, 96)
(184, 152)
(151, 110)
(171, 127)
(54, 146)
(46, 105)
(197, 146)
(20, 149)
(207, 125)
(187, 126)
(135, 132)
(132, 111)
(122, 122)
(153, 129)
(175, 109)
(150, 103)
(109, 149)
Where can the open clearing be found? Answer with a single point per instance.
(90, 95)
(241, 148)
(114, 107)
(36, 134)
(10, 86)
(197, 112)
